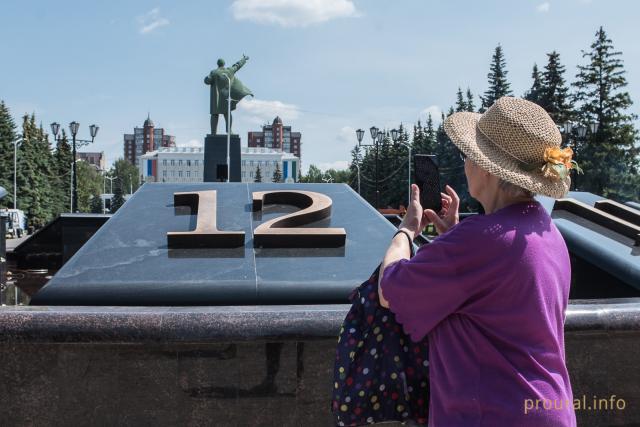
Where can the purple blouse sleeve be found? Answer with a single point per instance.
(433, 284)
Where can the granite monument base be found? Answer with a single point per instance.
(215, 158)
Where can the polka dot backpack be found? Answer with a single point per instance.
(379, 373)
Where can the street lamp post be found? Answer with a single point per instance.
(359, 135)
(104, 202)
(581, 131)
(15, 173)
(73, 127)
(376, 137)
(228, 128)
(72, 167)
(394, 136)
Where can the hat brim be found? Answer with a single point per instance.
(462, 129)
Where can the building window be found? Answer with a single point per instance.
(164, 173)
(251, 174)
(164, 162)
(188, 174)
(188, 162)
(179, 174)
(173, 162)
(195, 163)
(251, 163)
(244, 163)
(173, 173)
(179, 162)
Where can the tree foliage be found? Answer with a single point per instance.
(610, 156)
(498, 84)
(277, 174)
(258, 177)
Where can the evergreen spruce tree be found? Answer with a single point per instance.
(461, 105)
(32, 182)
(554, 93)
(534, 93)
(498, 84)
(424, 138)
(96, 204)
(470, 104)
(62, 159)
(7, 137)
(258, 177)
(609, 157)
(118, 197)
(356, 159)
(451, 166)
(277, 175)
(45, 165)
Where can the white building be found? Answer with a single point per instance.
(186, 164)
(266, 158)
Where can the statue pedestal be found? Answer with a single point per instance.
(215, 158)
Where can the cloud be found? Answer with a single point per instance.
(347, 135)
(337, 165)
(191, 143)
(292, 13)
(260, 111)
(151, 21)
(543, 7)
(436, 114)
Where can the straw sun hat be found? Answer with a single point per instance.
(517, 141)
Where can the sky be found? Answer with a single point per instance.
(326, 67)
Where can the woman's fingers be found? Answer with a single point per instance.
(455, 200)
(436, 220)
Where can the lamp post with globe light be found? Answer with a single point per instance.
(376, 137)
(73, 127)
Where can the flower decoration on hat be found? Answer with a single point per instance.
(558, 162)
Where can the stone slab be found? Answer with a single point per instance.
(127, 262)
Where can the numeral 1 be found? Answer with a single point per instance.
(206, 234)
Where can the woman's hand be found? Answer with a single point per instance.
(414, 220)
(448, 216)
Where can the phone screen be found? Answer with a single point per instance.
(427, 178)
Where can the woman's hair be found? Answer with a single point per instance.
(514, 190)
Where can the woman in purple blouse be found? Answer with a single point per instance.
(491, 292)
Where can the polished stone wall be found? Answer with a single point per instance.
(241, 366)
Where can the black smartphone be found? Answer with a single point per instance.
(427, 178)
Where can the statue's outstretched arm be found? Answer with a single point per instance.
(239, 64)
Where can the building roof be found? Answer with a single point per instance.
(277, 121)
(148, 122)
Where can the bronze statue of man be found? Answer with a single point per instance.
(220, 79)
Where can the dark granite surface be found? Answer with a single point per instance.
(215, 153)
(237, 323)
(127, 261)
(242, 366)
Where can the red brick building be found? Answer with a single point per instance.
(278, 137)
(145, 139)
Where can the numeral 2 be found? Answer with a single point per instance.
(278, 232)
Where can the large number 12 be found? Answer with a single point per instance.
(278, 232)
